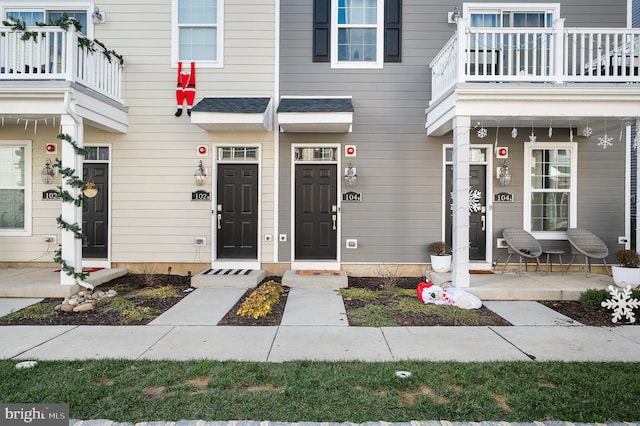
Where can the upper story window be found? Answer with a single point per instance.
(550, 201)
(15, 184)
(47, 15)
(516, 15)
(197, 32)
(357, 33)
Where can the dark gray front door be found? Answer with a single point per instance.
(237, 211)
(95, 214)
(316, 212)
(477, 210)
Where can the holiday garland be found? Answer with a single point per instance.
(75, 182)
(63, 22)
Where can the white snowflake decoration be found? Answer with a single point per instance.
(586, 132)
(605, 141)
(622, 304)
(474, 201)
(514, 133)
(482, 133)
(532, 138)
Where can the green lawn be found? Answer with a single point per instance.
(135, 391)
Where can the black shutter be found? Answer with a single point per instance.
(321, 30)
(393, 31)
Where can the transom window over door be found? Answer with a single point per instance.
(197, 31)
(15, 184)
(550, 189)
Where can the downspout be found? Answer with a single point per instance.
(276, 136)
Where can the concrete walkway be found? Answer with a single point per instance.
(314, 328)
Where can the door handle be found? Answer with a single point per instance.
(482, 220)
(219, 221)
(334, 218)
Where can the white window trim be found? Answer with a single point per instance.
(28, 190)
(470, 8)
(56, 7)
(379, 62)
(219, 63)
(573, 191)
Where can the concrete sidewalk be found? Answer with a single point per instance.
(188, 332)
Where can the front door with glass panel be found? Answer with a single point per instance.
(95, 213)
(237, 204)
(316, 204)
(477, 206)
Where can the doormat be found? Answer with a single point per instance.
(88, 270)
(311, 272)
(480, 271)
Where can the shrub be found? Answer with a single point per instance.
(261, 300)
(439, 248)
(627, 258)
(593, 298)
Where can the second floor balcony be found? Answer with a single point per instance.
(53, 71)
(545, 55)
(534, 74)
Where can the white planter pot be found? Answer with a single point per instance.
(623, 277)
(441, 263)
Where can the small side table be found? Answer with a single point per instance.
(558, 253)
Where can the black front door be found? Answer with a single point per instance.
(316, 212)
(237, 211)
(477, 210)
(95, 214)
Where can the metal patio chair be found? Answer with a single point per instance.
(523, 244)
(589, 245)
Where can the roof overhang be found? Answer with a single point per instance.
(233, 114)
(535, 104)
(317, 115)
(39, 101)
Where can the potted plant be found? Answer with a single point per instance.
(627, 272)
(440, 253)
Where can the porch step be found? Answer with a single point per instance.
(315, 279)
(236, 278)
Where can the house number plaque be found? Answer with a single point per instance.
(51, 194)
(354, 197)
(200, 196)
(503, 197)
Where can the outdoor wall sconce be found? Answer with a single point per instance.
(48, 173)
(504, 176)
(452, 17)
(201, 175)
(350, 176)
(97, 16)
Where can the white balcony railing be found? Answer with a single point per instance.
(51, 53)
(554, 55)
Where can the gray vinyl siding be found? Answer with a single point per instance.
(400, 169)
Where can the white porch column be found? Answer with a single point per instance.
(71, 247)
(637, 247)
(460, 236)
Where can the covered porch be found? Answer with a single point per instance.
(533, 79)
(57, 79)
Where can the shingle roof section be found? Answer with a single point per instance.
(315, 105)
(233, 105)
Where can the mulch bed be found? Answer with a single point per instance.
(133, 282)
(129, 282)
